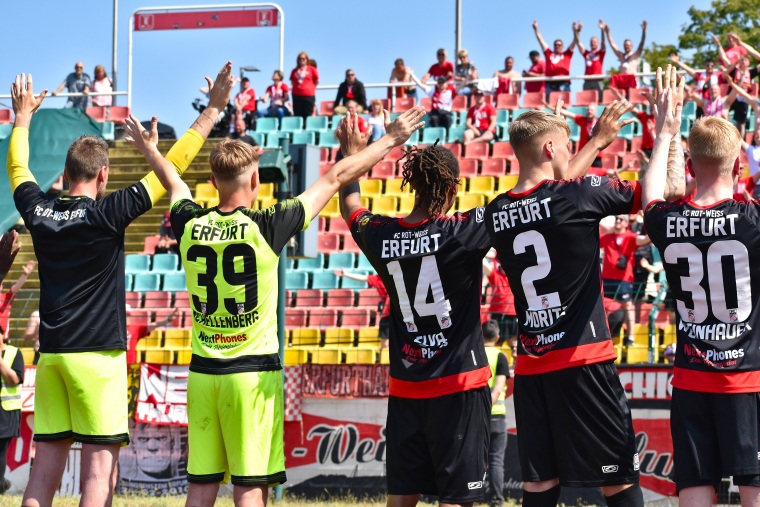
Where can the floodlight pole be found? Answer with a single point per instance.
(114, 57)
(458, 28)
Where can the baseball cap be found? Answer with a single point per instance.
(477, 91)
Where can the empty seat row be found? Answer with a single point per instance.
(157, 263)
(144, 282)
(349, 318)
(158, 299)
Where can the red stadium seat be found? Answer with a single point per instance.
(162, 315)
(476, 150)
(97, 113)
(296, 318)
(5, 115)
(355, 318)
(533, 99)
(636, 96)
(635, 145)
(340, 298)
(349, 245)
(503, 150)
(324, 167)
(509, 101)
(427, 103)
(138, 317)
(384, 169)
(514, 166)
(488, 99)
(468, 167)
(618, 147)
(608, 97)
(459, 104)
(395, 154)
(158, 299)
(150, 244)
(455, 148)
(324, 155)
(134, 299)
(323, 317)
(322, 224)
(633, 158)
(309, 297)
(326, 107)
(404, 104)
(368, 298)
(586, 98)
(119, 114)
(328, 242)
(494, 167)
(182, 299)
(554, 96)
(609, 161)
(338, 225)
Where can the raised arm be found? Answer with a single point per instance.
(559, 109)
(640, 49)
(667, 112)
(614, 47)
(722, 56)
(754, 53)
(9, 247)
(360, 159)
(696, 97)
(602, 43)
(539, 38)
(605, 131)
(25, 104)
(422, 84)
(353, 276)
(689, 70)
(577, 27)
(25, 272)
(575, 36)
(740, 91)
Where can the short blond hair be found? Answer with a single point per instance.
(530, 125)
(715, 141)
(462, 53)
(229, 159)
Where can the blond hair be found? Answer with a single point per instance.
(462, 53)
(526, 129)
(715, 141)
(229, 159)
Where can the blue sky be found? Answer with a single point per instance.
(46, 39)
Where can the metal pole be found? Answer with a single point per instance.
(114, 57)
(458, 28)
(282, 194)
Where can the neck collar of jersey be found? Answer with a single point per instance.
(403, 223)
(227, 213)
(526, 192)
(692, 203)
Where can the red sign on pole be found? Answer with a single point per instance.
(151, 21)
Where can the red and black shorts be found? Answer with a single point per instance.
(715, 435)
(439, 446)
(575, 425)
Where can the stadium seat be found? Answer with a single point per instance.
(296, 356)
(335, 122)
(259, 137)
(328, 242)
(355, 318)
(405, 205)
(5, 131)
(395, 154)
(369, 298)
(339, 260)
(317, 123)
(156, 299)
(129, 279)
(339, 337)
(312, 263)
(631, 161)
(305, 337)
(266, 125)
(165, 263)
(327, 140)
(636, 96)
(403, 104)
(507, 182)
(503, 150)
(414, 139)
(139, 317)
(183, 356)
(177, 338)
(459, 103)
(432, 134)
(349, 283)
(309, 297)
(383, 170)
(368, 336)
(158, 356)
(455, 148)
(554, 96)
(585, 98)
(205, 192)
(296, 318)
(151, 242)
(385, 205)
(362, 262)
(118, 114)
(152, 341)
(174, 282)
(326, 356)
(97, 113)
(482, 185)
(689, 110)
(468, 167)
(291, 124)
(627, 130)
(134, 299)
(618, 147)
(507, 101)
(469, 201)
(304, 137)
(477, 150)
(637, 354)
(393, 187)
(532, 100)
(427, 103)
(494, 167)
(456, 133)
(371, 187)
(181, 299)
(323, 317)
(629, 175)
(137, 263)
(360, 355)
(324, 280)
(609, 161)
(273, 139)
(326, 107)
(28, 354)
(339, 298)
(608, 96)
(385, 357)
(331, 209)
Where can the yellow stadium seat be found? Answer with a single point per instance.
(670, 334)
(507, 182)
(305, 337)
(332, 209)
(28, 354)
(641, 334)
(211, 202)
(339, 336)
(368, 336)
(295, 356)
(326, 356)
(507, 351)
(184, 356)
(152, 341)
(481, 185)
(469, 201)
(266, 202)
(406, 204)
(159, 356)
(371, 187)
(636, 354)
(385, 205)
(177, 338)
(205, 192)
(393, 187)
(385, 356)
(365, 202)
(629, 175)
(619, 352)
(266, 190)
(360, 355)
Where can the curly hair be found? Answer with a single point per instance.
(432, 173)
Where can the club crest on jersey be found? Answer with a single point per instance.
(241, 308)
(480, 214)
(444, 321)
(732, 316)
(411, 327)
(544, 301)
(203, 308)
(596, 181)
(690, 314)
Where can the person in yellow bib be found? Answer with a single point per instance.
(11, 377)
(81, 379)
(230, 254)
(497, 446)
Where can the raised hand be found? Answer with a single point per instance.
(609, 124)
(644, 25)
(402, 128)
(601, 24)
(577, 27)
(351, 138)
(9, 247)
(674, 57)
(219, 91)
(716, 40)
(25, 104)
(669, 101)
(28, 268)
(143, 140)
(535, 24)
(557, 107)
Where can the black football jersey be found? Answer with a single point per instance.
(432, 271)
(547, 241)
(711, 257)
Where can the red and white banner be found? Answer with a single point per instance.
(163, 394)
(345, 380)
(152, 21)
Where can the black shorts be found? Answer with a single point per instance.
(715, 435)
(384, 327)
(740, 110)
(439, 446)
(575, 425)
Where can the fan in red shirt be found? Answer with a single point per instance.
(537, 69)
(443, 68)
(481, 120)
(594, 57)
(629, 60)
(557, 61)
(304, 79)
(7, 297)
(744, 187)
(245, 103)
(502, 302)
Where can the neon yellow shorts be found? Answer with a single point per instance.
(235, 428)
(82, 395)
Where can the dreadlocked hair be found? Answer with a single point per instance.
(431, 172)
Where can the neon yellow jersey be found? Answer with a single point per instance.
(230, 260)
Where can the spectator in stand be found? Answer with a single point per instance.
(670, 353)
(752, 149)
(716, 104)
(443, 68)
(537, 69)
(744, 187)
(402, 74)
(594, 57)
(350, 89)
(240, 133)
(505, 78)
(629, 60)
(304, 79)
(557, 61)
(647, 125)
(481, 120)
(497, 443)
(732, 52)
(76, 82)
(586, 124)
(376, 120)
(754, 53)
(245, 104)
(619, 247)
(464, 74)
(703, 80)
(383, 307)
(442, 97)
(32, 334)
(102, 84)
(501, 305)
(277, 95)
(12, 376)
(9, 247)
(362, 124)
(739, 76)
(7, 297)
(167, 242)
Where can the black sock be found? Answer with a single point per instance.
(629, 497)
(546, 498)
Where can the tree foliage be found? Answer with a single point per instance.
(659, 55)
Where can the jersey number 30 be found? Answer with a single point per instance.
(246, 278)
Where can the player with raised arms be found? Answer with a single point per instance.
(574, 426)
(710, 248)
(230, 254)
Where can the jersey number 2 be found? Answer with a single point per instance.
(246, 278)
(540, 271)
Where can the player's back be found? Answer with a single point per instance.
(547, 241)
(432, 271)
(711, 257)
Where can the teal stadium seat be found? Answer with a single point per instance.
(339, 260)
(348, 283)
(108, 130)
(273, 139)
(327, 140)
(363, 262)
(175, 282)
(312, 263)
(291, 124)
(413, 139)
(257, 136)
(517, 112)
(137, 263)
(295, 280)
(317, 123)
(336, 120)
(165, 263)
(304, 138)
(145, 282)
(324, 280)
(431, 134)
(456, 133)
(689, 110)
(266, 125)
(128, 281)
